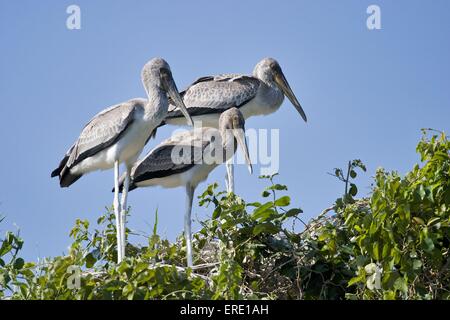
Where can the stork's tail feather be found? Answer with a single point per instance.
(56, 172)
(66, 178)
(132, 186)
(61, 166)
(121, 181)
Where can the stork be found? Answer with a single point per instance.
(187, 158)
(118, 134)
(259, 94)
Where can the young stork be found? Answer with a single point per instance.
(259, 94)
(118, 135)
(187, 158)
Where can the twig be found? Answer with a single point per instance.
(321, 215)
(205, 265)
(181, 269)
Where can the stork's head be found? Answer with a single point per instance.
(269, 71)
(156, 75)
(232, 126)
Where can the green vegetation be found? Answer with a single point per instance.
(393, 244)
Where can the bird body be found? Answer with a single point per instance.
(195, 176)
(125, 149)
(264, 99)
(119, 133)
(267, 100)
(261, 93)
(158, 167)
(187, 158)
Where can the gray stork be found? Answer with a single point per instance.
(259, 94)
(187, 158)
(118, 135)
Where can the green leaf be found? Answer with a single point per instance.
(90, 260)
(283, 201)
(18, 263)
(9, 237)
(433, 221)
(401, 285)
(263, 212)
(389, 295)
(5, 248)
(386, 251)
(128, 291)
(265, 228)
(357, 279)
(428, 245)
(124, 266)
(417, 264)
(376, 251)
(278, 187)
(353, 190)
(217, 212)
(265, 193)
(253, 204)
(293, 212)
(422, 192)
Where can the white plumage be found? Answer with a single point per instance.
(118, 134)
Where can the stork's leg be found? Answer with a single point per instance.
(230, 175)
(187, 223)
(117, 211)
(227, 180)
(123, 211)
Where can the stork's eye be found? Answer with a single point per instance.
(235, 121)
(276, 68)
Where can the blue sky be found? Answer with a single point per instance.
(366, 94)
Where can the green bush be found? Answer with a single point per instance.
(393, 244)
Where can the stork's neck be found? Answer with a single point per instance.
(264, 76)
(229, 143)
(270, 87)
(267, 79)
(271, 97)
(157, 105)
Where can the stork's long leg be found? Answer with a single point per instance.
(123, 211)
(117, 211)
(187, 223)
(230, 175)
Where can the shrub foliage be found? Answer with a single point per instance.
(392, 244)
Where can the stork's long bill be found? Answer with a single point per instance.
(172, 91)
(242, 142)
(280, 79)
